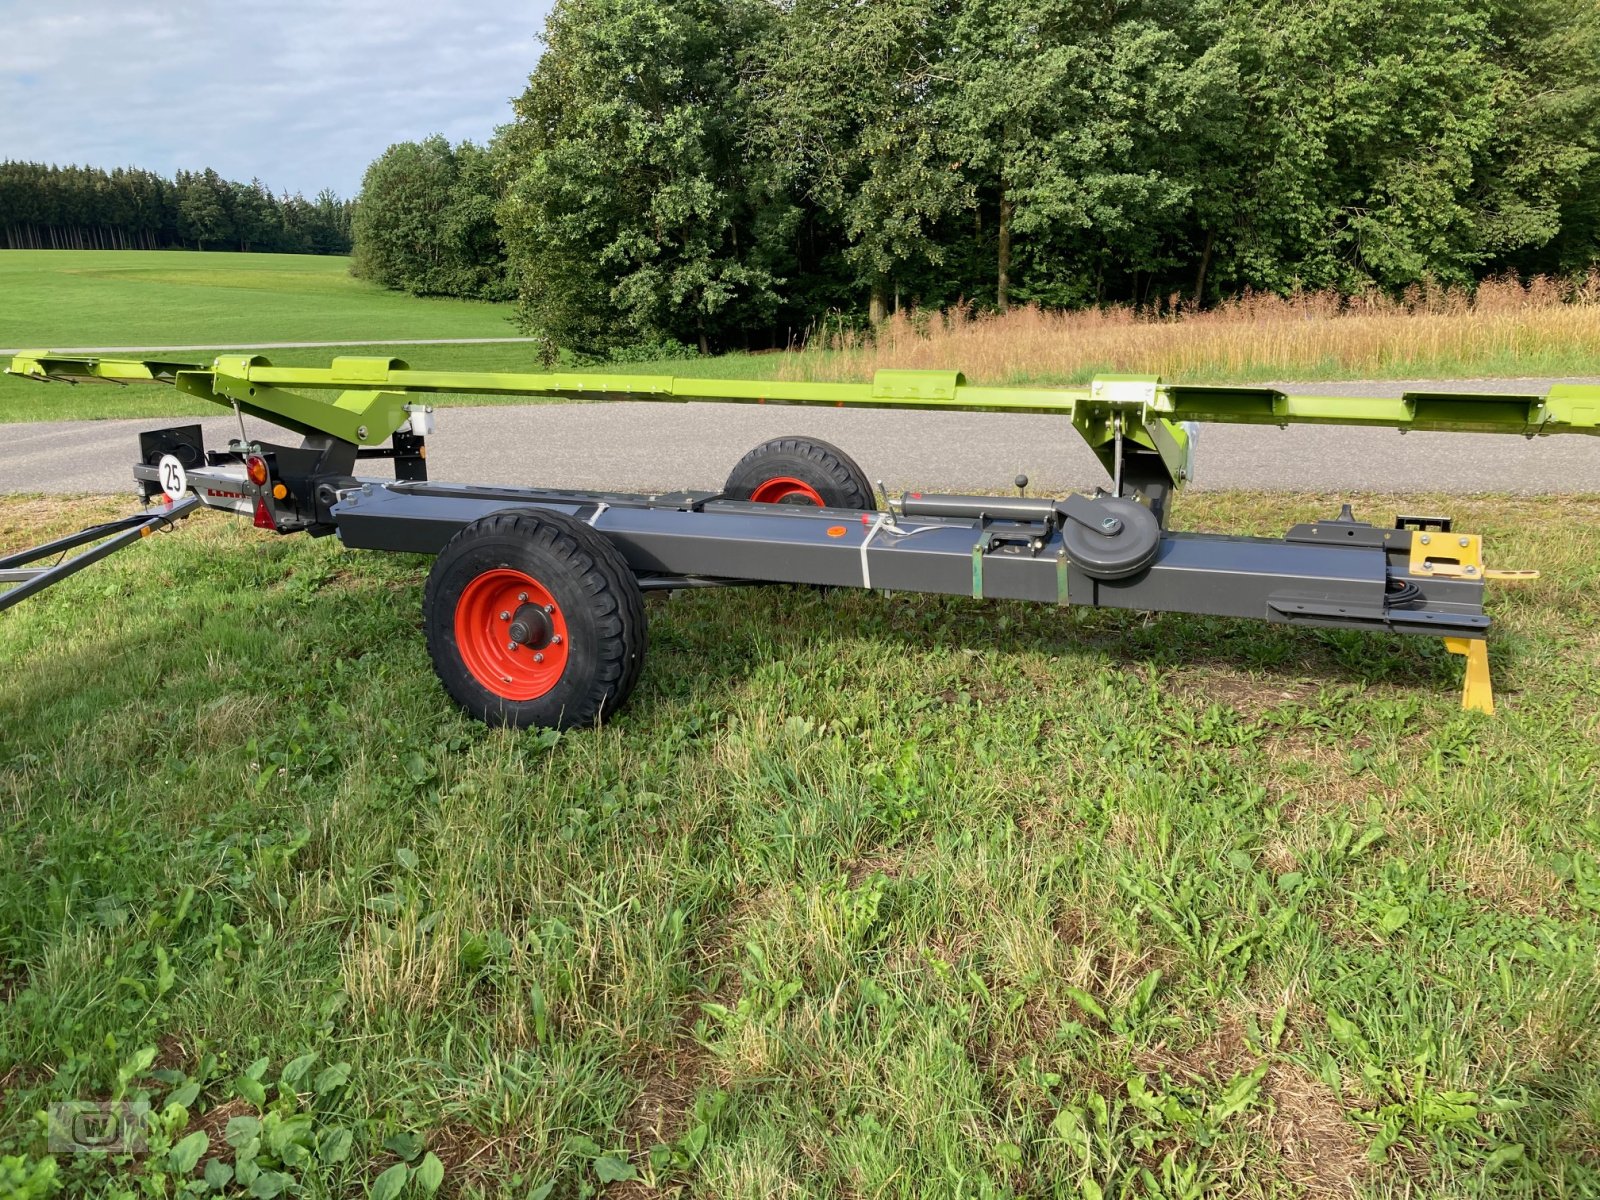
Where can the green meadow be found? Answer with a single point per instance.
(68, 298)
(60, 298)
(861, 896)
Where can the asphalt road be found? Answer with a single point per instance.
(659, 447)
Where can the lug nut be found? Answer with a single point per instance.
(556, 640)
(538, 658)
(505, 616)
(522, 596)
(549, 608)
(511, 645)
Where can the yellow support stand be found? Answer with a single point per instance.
(1477, 693)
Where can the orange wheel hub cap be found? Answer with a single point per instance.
(490, 606)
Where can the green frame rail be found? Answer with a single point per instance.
(373, 394)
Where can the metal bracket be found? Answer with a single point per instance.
(1423, 524)
(1446, 556)
(1477, 693)
(1116, 454)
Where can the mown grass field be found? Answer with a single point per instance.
(862, 896)
(58, 298)
(69, 298)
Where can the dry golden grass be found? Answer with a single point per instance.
(1508, 327)
(27, 521)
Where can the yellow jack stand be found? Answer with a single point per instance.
(1477, 693)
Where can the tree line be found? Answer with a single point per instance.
(732, 172)
(44, 207)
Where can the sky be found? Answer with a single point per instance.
(300, 94)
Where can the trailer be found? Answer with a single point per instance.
(534, 606)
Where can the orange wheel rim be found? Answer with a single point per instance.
(785, 489)
(484, 619)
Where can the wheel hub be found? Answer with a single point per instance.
(531, 627)
(786, 489)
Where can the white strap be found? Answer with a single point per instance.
(866, 571)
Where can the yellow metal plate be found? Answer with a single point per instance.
(1450, 555)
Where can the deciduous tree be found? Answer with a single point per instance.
(627, 211)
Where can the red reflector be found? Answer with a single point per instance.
(256, 467)
(263, 517)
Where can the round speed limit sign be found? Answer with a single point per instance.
(174, 482)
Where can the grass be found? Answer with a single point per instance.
(60, 298)
(65, 298)
(1507, 328)
(861, 896)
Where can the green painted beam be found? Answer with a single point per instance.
(370, 404)
(47, 367)
(1566, 408)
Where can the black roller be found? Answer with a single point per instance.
(1111, 538)
(996, 508)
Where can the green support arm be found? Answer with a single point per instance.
(372, 393)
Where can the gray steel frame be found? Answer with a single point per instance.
(1319, 576)
(1333, 574)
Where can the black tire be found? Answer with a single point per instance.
(826, 470)
(596, 603)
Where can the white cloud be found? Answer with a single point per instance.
(302, 94)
